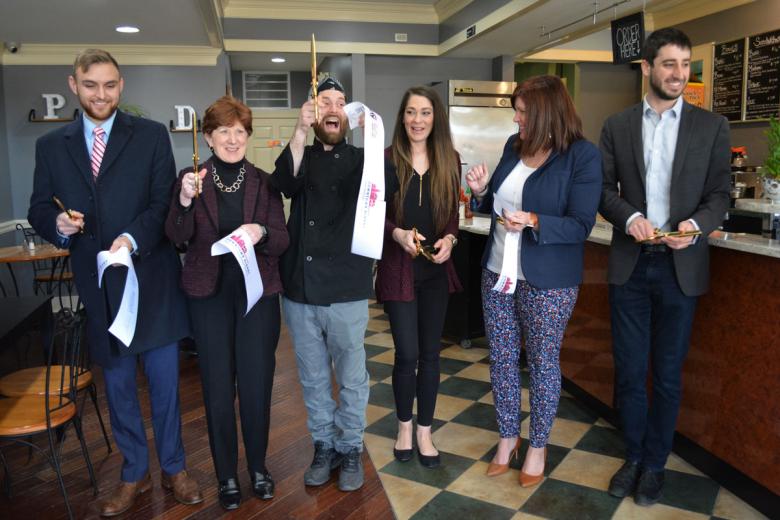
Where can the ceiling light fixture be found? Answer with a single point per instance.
(127, 29)
(278, 60)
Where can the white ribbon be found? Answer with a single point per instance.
(507, 280)
(369, 229)
(239, 243)
(123, 326)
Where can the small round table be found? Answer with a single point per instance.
(15, 254)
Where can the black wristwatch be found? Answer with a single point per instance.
(265, 233)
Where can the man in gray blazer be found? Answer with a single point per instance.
(666, 166)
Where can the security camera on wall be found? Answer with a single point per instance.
(13, 47)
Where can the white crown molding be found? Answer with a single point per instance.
(326, 47)
(446, 8)
(64, 54)
(336, 11)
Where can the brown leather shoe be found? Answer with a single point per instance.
(527, 480)
(495, 469)
(124, 496)
(185, 488)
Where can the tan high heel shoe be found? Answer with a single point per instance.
(527, 480)
(495, 469)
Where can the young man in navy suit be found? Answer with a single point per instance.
(116, 172)
(666, 166)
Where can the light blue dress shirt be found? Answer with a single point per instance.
(659, 140)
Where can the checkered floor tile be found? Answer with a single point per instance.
(583, 453)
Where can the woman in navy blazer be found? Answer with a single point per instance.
(542, 199)
(236, 348)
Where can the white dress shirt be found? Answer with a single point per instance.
(659, 141)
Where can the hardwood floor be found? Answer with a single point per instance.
(36, 494)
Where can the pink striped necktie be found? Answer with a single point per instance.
(98, 149)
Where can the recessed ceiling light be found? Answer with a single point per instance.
(278, 60)
(128, 29)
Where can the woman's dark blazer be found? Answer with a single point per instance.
(564, 193)
(198, 228)
(395, 275)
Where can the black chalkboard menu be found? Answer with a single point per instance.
(727, 79)
(762, 99)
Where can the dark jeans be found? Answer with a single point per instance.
(651, 323)
(417, 326)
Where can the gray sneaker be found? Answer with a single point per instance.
(325, 460)
(351, 475)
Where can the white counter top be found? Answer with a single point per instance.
(758, 205)
(602, 234)
(746, 243)
(478, 225)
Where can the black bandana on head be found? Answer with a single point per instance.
(330, 83)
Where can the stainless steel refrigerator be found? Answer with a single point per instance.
(480, 115)
(481, 121)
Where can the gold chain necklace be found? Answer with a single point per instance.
(233, 187)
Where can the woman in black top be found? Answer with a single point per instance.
(414, 284)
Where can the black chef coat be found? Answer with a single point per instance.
(318, 267)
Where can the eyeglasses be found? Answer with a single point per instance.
(427, 251)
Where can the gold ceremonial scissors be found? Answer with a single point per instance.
(314, 78)
(426, 251)
(62, 207)
(657, 233)
(195, 157)
(500, 220)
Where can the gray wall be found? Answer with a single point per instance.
(237, 84)
(467, 16)
(339, 67)
(603, 89)
(6, 205)
(300, 83)
(387, 78)
(156, 89)
(745, 20)
(358, 89)
(503, 68)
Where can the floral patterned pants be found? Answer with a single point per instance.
(536, 318)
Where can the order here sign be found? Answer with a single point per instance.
(628, 35)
